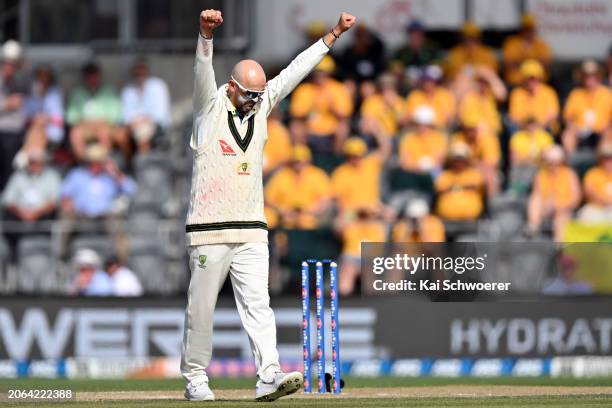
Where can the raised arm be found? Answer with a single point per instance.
(280, 86)
(205, 86)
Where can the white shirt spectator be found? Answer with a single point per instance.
(152, 100)
(125, 283)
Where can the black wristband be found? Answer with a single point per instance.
(334, 34)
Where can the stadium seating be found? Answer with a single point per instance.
(37, 267)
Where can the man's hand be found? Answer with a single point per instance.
(209, 20)
(345, 22)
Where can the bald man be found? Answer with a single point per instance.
(226, 226)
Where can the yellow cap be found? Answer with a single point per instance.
(301, 153)
(532, 69)
(529, 21)
(316, 29)
(355, 147)
(470, 30)
(327, 64)
(469, 121)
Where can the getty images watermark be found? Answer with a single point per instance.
(409, 264)
(483, 271)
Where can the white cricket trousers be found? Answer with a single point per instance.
(247, 264)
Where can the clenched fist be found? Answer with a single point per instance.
(345, 22)
(209, 20)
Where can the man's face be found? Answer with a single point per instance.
(35, 166)
(92, 80)
(242, 98)
(140, 73)
(532, 83)
(528, 34)
(96, 167)
(606, 163)
(8, 69)
(416, 39)
(591, 81)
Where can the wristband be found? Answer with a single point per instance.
(334, 34)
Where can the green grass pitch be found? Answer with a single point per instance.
(383, 385)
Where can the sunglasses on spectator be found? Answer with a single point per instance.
(249, 93)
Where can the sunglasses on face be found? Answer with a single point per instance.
(249, 93)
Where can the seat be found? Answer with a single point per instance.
(102, 244)
(37, 268)
(5, 256)
(147, 260)
(153, 175)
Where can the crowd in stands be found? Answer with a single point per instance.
(72, 162)
(455, 128)
(460, 128)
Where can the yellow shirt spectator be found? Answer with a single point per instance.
(516, 50)
(430, 229)
(598, 183)
(460, 194)
(356, 184)
(589, 109)
(420, 151)
(463, 56)
(278, 146)
(387, 115)
(441, 100)
(484, 146)
(303, 191)
(556, 186)
(541, 104)
(321, 105)
(482, 106)
(526, 147)
(360, 231)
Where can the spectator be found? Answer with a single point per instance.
(555, 194)
(300, 192)
(365, 226)
(418, 225)
(363, 60)
(598, 189)
(278, 147)
(533, 99)
(423, 150)
(434, 95)
(418, 51)
(124, 282)
(566, 283)
(13, 88)
(356, 183)
(485, 152)
(480, 100)
(609, 67)
(145, 104)
(588, 110)
(96, 191)
(45, 111)
(32, 194)
(526, 149)
(470, 54)
(526, 45)
(386, 106)
(90, 279)
(325, 106)
(460, 187)
(94, 112)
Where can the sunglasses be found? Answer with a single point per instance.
(249, 93)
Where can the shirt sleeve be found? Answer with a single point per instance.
(205, 86)
(128, 186)
(281, 85)
(11, 193)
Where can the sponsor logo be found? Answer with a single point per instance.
(226, 149)
(243, 169)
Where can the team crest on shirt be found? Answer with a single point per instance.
(226, 149)
(243, 169)
(202, 261)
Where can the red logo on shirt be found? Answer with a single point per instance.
(226, 149)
